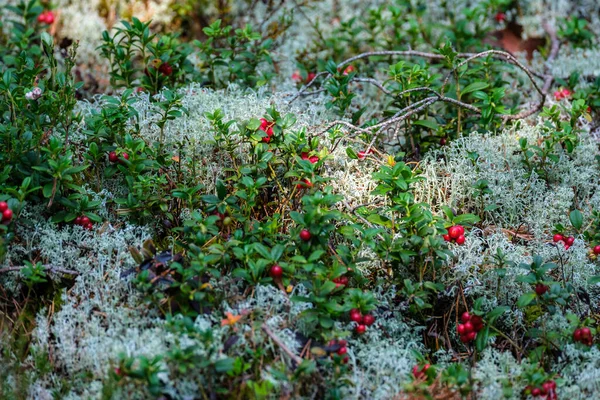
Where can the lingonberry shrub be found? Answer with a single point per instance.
(141, 58)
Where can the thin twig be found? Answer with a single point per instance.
(50, 268)
(279, 343)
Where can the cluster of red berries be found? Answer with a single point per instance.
(540, 289)
(363, 154)
(548, 389)
(6, 214)
(297, 77)
(276, 271)
(456, 234)
(420, 373)
(362, 320)
(312, 159)
(568, 241)
(471, 324)
(84, 222)
(341, 281)
(305, 235)
(342, 351)
(583, 335)
(500, 17)
(266, 127)
(114, 158)
(47, 17)
(562, 94)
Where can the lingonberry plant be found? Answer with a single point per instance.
(290, 199)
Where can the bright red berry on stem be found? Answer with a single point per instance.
(500, 17)
(464, 338)
(85, 220)
(446, 238)
(460, 240)
(354, 311)
(3, 206)
(570, 240)
(125, 156)
(368, 320)
(461, 329)
(577, 335)
(465, 317)
(468, 327)
(310, 77)
(276, 271)
(305, 235)
(7, 215)
(342, 351)
(357, 317)
(89, 226)
(471, 335)
(349, 69)
(360, 329)
(596, 249)
(536, 392)
(454, 232)
(557, 238)
(112, 157)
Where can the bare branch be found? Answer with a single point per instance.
(50, 268)
(279, 343)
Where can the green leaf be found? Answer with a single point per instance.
(576, 219)
(525, 299)
(482, 338)
(351, 153)
(431, 124)
(473, 87)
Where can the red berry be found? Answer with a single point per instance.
(304, 155)
(360, 329)
(296, 77)
(586, 333)
(464, 338)
(89, 226)
(477, 322)
(125, 156)
(442, 141)
(425, 367)
(3, 206)
(343, 280)
(345, 360)
(361, 154)
(357, 317)
(540, 289)
(78, 221)
(547, 386)
(446, 238)
(570, 240)
(465, 317)
(596, 249)
(112, 157)
(577, 335)
(415, 371)
(551, 384)
(557, 238)
(460, 240)
(460, 329)
(276, 271)
(468, 327)
(567, 247)
(536, 392)
(355, 311)
(85, 220)
(313, 159)
(305, 184)
(454, 232)
(368, 320)
(49, 17)
(310, 77)
(165, 69)
(305, 235)
(500, 17)
(472, 335)
(7, 215)
(342, 351)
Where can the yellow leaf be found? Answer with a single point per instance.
(231, 319)
(390, 160)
